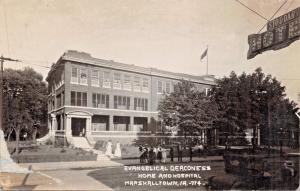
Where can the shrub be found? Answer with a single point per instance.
(99, 145)
(49, 142)
(63, 150)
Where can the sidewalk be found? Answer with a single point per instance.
(105, 163)
(70, 165)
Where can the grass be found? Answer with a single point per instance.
(49, 153)
(116, 177)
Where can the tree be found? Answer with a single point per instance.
(25, 102)
(245, 102)
(187, 109)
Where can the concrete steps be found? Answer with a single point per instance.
(44, 139)
(82, 142)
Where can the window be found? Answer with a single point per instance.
(145, 85)
(168, 88)
(159, 87)
(78, 98)
(117, 81)
(141, 104)
(106, 80)
(73, 98)
(83, 76)
(127, 83)
(100, 100)
(121, 102)
(95, 78)
(63, 98)
(63, 77)
(136, 84)
(58, 101)
(84, 99)
(74, 78)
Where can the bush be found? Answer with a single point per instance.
(63, 150)
(100, 145)
(60, 141)
(49, 142)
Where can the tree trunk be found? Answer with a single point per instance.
(34, 134)
(9, 134)
(17, 140)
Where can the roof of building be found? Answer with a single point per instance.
(82, 57)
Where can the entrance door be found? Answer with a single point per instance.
(78, 126)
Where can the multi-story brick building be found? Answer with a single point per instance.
(102, 99)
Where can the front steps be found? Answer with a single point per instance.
(82, 142)
(78, 142)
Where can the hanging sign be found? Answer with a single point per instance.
(281, 32)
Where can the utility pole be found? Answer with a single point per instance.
(2, 59)
(269, 128)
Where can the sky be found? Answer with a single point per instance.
(165, 34)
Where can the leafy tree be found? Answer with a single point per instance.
(187, 109)
(25, 102)
(251, 100)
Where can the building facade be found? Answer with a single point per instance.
(102, 99)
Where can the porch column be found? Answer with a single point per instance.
(111, 123)
(88, 126)
(49, 124)
(68, 126)
(148, 123)
(131, 123)
(54, 124)
(62, 122)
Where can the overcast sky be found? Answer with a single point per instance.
(165, 34)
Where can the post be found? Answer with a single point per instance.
(269, 129)
(207, 60)
(1, 93)
(1, 87)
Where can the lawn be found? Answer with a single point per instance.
(49, 153)
(120, 179)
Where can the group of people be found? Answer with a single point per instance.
(152, 155)
(158, 154)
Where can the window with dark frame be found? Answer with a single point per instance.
(74, 77)
(95, 78)
(78, 98)
(100, 100)
(159, 87)
(141, 104)
(121, 102)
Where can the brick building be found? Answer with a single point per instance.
(103, 99)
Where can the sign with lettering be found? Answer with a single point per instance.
(281, 32)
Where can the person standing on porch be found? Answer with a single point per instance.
(83, 132)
